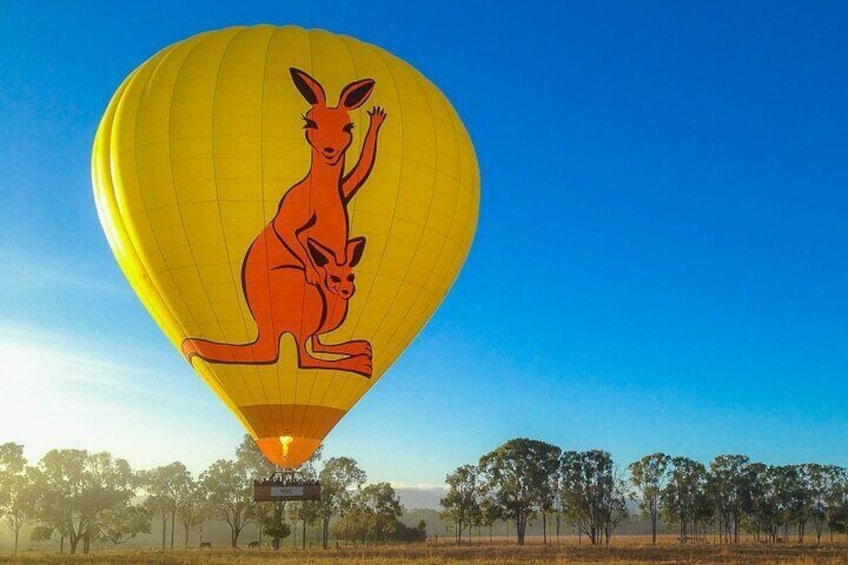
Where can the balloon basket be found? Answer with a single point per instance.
(286, 485)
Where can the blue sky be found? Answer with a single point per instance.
(661, 261)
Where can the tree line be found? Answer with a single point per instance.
(525, 479)
(77, 498)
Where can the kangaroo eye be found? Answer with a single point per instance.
(348, 128)
(335, 279)
(350, 278)
(309, 123)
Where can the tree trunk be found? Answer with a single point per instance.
(520, 527)
(325, 538)
(164, 529)
(544, 528)
(653, 526)
(303, 536)
(173, 523)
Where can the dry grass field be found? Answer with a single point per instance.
(624, 551)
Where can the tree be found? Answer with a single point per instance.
(373, 514)
(729, 489)
(15, 488)
(792, 498)
(192, 509)
(338, 477)
(490, 511)
(592, 495)
(76, 491)
(229, 491)
(517, 474)
(254, 461)
(825, 490)
(461, 504)
(835, 493)
(165, 487)
(308, 512)
(682, 498)
(648, 475)
(123, 523)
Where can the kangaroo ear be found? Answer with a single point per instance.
(355, 247)
(356, 93)
(320, 255)
(310, 88)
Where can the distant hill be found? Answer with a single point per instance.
(425, 497)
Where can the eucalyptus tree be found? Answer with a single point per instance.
(491, 512)
(825, 490)
(593, 497)
(76, 491)
(461, 503)
(728, 486)
(338, 477)
(373, 514)
(836, 494)
(682, 497)
(193, 509)
(649, 475)
(16, 492)
(518, 477)
(165, 487)
(229, 490)
(123, 523)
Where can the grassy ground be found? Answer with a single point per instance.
(621, 552)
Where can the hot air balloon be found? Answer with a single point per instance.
(291, 206)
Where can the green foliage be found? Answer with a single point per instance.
(649, 475)
(728, 487)
(16, 488)
(517, 476)
(193, 508)
(121, 524)
(372, 515)
(229, 492)
(166, 487)
(683, 500)
(592, 496)
(338, 476)
(274, 525)
(462, 503)
(76, 492)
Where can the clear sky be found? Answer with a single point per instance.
(661, 261)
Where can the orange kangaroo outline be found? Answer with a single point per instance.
(282, 270)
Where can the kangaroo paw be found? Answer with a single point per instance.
(357, 364)
(358, 347)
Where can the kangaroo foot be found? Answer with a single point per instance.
(358, 364)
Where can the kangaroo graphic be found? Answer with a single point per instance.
(289, 272)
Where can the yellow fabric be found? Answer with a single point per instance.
(190, 161)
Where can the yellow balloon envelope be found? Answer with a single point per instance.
(291, 206)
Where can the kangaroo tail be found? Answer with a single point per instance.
(260, 352)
